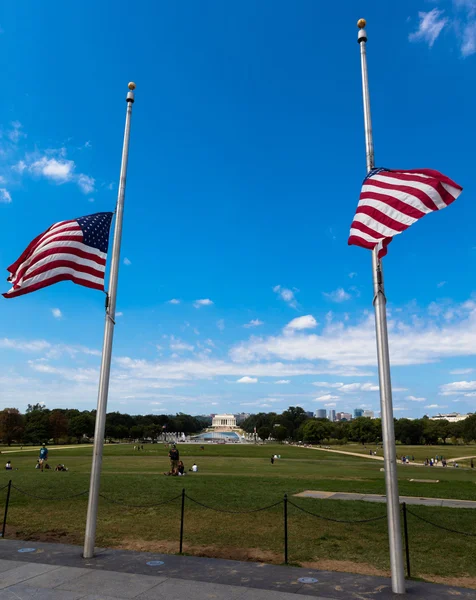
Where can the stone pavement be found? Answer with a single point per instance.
(448, 503)
(39, 571)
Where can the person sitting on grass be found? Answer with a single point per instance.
(181, 468)
(194, 468)
(8, 466)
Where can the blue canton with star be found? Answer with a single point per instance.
(95, 230)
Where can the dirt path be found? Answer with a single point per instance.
(37, 448)
(348, 453)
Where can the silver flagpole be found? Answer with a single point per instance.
(91, 519)
(380, 301)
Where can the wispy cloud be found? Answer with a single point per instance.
(338, 295)
(247, 379)
(415, 399)
(202, 302)
(326, 397)
(430, 26)
(127, 261)
(287, 295)
(436, 406)
(57, 314)
(85, 183)
(15, 134)
(461, 371)
(441, 284)
(282, 381)
(221, 324)
(461, 388)
(5, 197)
(253, 323)
(301, 323)
(174, 301)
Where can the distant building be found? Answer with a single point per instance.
(369, 414)
(309, 413)
(358, 412)
(320, 413)
(451, 417)
(343, 416)
(240, 417)
(224, 421)
(332, 415)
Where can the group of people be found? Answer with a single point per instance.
(177, 468)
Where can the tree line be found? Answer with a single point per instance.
(64, 425)
(295, 425)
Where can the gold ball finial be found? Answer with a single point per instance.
(361, 23)
(131, 85)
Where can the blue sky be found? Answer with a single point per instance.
(246, 161)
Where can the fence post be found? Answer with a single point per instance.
(285, 529)
(405, 531)
(6, 508)
(181, 520)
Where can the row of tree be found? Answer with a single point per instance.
(294, 424)
(39, 424)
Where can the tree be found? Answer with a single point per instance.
(80, 425)
(37, 424)
(11, 425)
(280, 433)
(316, 430)
(469, 429)
(58, 425)
(264, 432)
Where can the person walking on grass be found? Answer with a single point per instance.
(174, 459)
(43, 457)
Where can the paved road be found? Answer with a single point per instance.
(446, 502)
(58, 572)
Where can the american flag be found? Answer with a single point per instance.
(392, 200)
(68, 251)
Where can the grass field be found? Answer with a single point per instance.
(240, 477)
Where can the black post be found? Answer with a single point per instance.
(6, 508)
(285, 529)
(405, 531)
(181, 520)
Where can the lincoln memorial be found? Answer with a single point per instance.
(224, 422)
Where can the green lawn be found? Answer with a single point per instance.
(419, 452)
(241, 477)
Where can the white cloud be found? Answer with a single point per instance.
(325, 398)
(425, 340)
(350, 388)
(441, 284)
(5, 197)
(174, 301)
(330, 404)
(468, 45)
(300, 323)
(221, 324)
(90, 199)
(26, 346)
(119, 314)
(60, 170)
(352, 275)
(415, 399)
(85, 183)
(57, 314)
(436, 406)
(247, 379)
(287, 295)
(15, 134)
(430, 26)
(461, 371)
(127, 261)
(253, 323)
(110, 186)
(282, 381)
(338, 295)
(203, 302)
(458, 387)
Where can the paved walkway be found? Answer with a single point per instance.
(58, 572)
(372, 456)
(379, 498)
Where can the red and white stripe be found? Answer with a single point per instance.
(58, 254)
(391, 201)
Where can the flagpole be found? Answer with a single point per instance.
(380, 301)
(91, 519)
